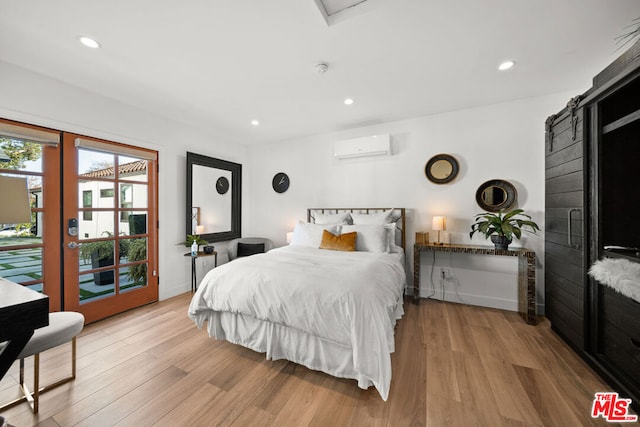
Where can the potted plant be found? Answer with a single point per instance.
(194, 238)
(503, 226)
(100, 254)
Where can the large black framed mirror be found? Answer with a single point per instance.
(213, 213)
(441, 168)
(496, 195)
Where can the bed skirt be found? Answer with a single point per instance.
(283, 342)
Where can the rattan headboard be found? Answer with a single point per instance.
(399, 216)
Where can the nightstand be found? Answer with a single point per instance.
(194, 282)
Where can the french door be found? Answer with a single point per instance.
(30, 251)
(91, 244)
(109, 223)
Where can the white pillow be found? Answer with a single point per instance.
(383, 217)
(371, 238)
(337, 218)
(308, 234)
(391, 238)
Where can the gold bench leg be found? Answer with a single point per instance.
(34, 398)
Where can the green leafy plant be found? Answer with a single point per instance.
(194, 238)
(507, 224)
(631, 35)
(137, 252)
(103, 249)
(23, 229)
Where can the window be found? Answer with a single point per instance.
(126, 201)
(106, 192)
(87, 202)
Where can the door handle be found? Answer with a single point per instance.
(72, 245)
(569, 238)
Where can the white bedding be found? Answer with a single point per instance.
(346, 300)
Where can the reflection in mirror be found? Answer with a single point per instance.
(212, 214)
(215, 208)
(496, 195)
(441, 169)
(195, 219)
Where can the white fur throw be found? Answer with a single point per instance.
(619, 274)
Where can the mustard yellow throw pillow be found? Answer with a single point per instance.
(343, 242)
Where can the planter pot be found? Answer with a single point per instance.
(102, 277)
(500, 242)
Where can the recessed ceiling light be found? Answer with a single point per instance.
(506, 65)
(348, 101)
(89, 42)
(255, 122)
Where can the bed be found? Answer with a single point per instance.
(329, 310)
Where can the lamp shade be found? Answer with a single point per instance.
(199, 229)
(289, 236)
(14, 208)
(439, 223)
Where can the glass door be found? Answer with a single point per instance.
(110, 226)
(29, 252)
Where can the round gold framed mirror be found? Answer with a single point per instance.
(496, 195)
(441, 168)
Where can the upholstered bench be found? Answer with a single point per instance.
(63, 327)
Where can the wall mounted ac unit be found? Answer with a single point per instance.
(375, 145)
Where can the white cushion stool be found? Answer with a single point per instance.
(63, 327)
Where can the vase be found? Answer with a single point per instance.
(500, 242)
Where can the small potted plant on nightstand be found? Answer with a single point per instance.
(503, 226)
(194, 238)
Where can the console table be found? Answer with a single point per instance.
(526, 272)
(22, 310)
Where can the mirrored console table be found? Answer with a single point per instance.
(526, 272)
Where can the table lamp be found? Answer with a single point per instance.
(439, 223)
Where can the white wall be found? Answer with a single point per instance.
(503, 141)
(32, 98)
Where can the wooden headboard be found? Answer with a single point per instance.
(399, 216)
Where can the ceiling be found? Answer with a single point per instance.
(218, 65)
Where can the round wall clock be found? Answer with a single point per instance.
(280, 182)
(222, 185)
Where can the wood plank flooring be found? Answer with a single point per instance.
(454, 365)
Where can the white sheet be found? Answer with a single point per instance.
(350, 299)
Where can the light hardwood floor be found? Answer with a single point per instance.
(454, 365)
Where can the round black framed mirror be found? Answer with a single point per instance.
(496, 195)
(442, 168)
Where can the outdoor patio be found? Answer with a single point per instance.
(25, 265)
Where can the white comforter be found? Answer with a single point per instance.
(350, 298)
